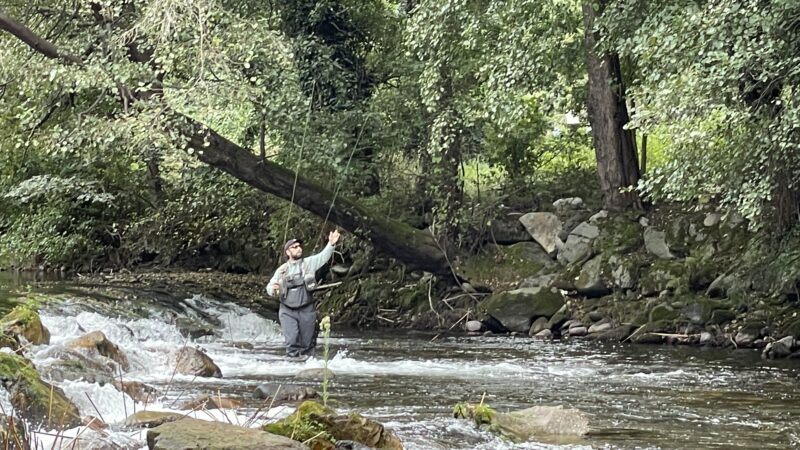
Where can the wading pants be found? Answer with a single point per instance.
(299, 328)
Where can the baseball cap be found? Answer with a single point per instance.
(291, 242)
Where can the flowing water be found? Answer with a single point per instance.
(636, 396)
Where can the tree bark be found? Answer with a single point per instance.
(409, 245)
(615, 148)
(416, 248)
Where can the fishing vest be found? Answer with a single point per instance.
(297, 289)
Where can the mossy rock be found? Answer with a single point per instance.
(721, 316)
(202, 434)
(505, 266)
(619, 235)
(319, 427)
(699, 309)
(24, 321)
(662, 313)
(792, 329)
(517, 308)
(662, 275)
(37, 401)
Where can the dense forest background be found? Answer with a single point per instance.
(413, 124)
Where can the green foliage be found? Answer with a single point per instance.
(719, 80)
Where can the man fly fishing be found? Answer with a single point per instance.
(293, 283)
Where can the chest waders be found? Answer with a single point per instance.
(297, 315)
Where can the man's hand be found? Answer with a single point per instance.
(333, 237)
(276, 288)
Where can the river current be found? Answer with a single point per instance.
(637, 397)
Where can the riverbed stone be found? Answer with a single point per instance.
(544, 335)
(578, 331)
(473, 326)
(201, 434)
(578, 246)
(591, 281)
(319, 425)
(655, 241)
(191, 361)
(538, 421)
(24, 322)
(63, 364)
(563, 205)
(36, 401)
(207, 401)
(599, 328)
(316, 373)
(515, 309)
(538, 325)
(97, 342)
(544, 228)
(280, 392)
(150, 419)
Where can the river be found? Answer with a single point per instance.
(637, 397)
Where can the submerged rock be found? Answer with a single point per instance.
(284, 392)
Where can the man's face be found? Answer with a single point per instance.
(295, 251)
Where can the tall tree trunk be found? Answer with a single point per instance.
(446, 134)
(615, 147)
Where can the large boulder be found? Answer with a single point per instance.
(97, 342)
(191, 361)
(542, 421)
(579, 244)
(517, 308)
(321, 426)
(201, 434)
(23, 321)
(36, 401)
(531, 424)
(591, 280)
(544, 228)
(501, 267)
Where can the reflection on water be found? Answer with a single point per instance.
(636, 396)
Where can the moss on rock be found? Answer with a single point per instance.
(320, 426)
(37, 401)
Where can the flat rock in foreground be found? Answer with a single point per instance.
(189, 434)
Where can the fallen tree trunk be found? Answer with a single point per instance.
(413, 247)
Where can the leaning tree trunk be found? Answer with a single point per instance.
(414, 247)
(409, 245)
(614, 146)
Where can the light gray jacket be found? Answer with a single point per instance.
(290, 268)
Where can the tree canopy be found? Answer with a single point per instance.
(407, 122)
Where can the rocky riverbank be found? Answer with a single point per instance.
(663, 277)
